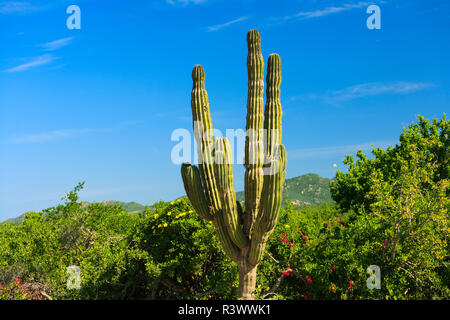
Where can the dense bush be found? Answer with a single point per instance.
(40, 249)
(166, 252)
(350, 190)
(392, 212)
(189, 262)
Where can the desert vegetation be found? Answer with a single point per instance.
(390, 210)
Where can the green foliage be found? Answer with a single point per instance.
(190, 261)
(322, 253)
(165, 252)
(41, 248)
(350, 189)
(401, 197)
(399, 222)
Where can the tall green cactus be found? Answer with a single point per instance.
(243, 235)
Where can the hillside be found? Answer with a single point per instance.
(18, 219)
(129, 207)
(304, 190)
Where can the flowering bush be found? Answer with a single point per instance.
(398, 220)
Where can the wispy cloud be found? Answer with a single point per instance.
(304, 15)
(226, 24)
(89, 193)
(52, 135)
(65, 133)
(43, 59)
(337, 150)
(373, 89)
(365, 90)
(185, 2)
(56, 44)
(330, 10)
(7, 7)
(35, 62)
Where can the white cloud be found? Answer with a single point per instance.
(7, 7)
(185, 2)
(88, 194)
(56, 44)
(364, 90)
(47, 136)
(65, 133)
(226, 24)
(373, 89)
(335, 150)
(304, 15)
(330, 10)
(35, 62)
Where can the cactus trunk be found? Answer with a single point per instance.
(242, 234)
(247, 277)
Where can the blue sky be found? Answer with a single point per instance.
(99, 104)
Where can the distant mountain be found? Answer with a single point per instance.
(129, 207)
(304, 190)
(18, 219)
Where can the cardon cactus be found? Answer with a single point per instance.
(242, 234)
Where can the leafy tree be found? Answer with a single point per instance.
(190, 263)
(350, 189)
(392, 212)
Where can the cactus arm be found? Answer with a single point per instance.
(231, 250)
(270, 205)
(224, 174)
(272, 110)
(203, 135)
(194, 190)
(274, 177)
(254, 140)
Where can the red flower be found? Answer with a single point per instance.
(333, 267)
(308, 279)
(350, 285)
(385, 245)
(332, 288)
(18, 281)
(286, 241)
(306, 296)
(287, 271)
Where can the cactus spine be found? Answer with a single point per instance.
(243, 235)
